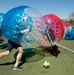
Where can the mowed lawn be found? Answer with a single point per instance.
(63, 65)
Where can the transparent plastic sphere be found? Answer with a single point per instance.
(22, 18)
(1, 18)
(1, 35)
(67, 26)
(54, 24)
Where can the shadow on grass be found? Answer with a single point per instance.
(31, 55)
(8, 63)
(2, 46)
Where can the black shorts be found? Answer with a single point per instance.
(12, 45)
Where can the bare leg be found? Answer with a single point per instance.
(18, 56)
(6, 53)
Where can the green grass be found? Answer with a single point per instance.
(63, 65)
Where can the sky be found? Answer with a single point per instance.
(61, 8)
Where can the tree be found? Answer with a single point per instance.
(71, 15)
(72, 22)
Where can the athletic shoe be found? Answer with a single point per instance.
(17, 68)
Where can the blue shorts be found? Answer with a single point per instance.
(12, 45)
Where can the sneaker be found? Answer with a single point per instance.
(17, 68)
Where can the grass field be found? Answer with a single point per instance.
(63, 65)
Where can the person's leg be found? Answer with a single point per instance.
(18, 56)
(55, 49)
(8, 50)
(6, 53)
